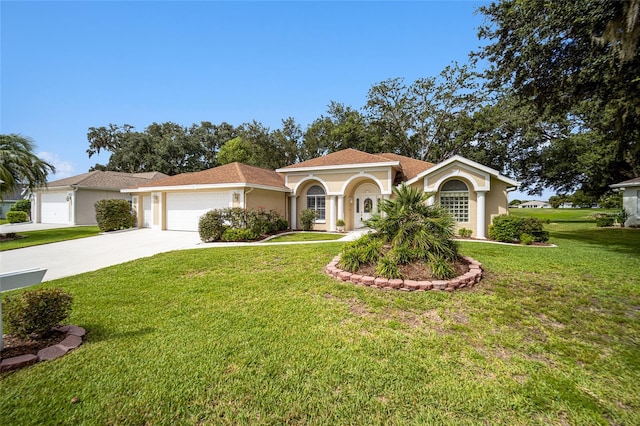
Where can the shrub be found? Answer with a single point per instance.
(211, 226)
(465, 233)
(307, 218)
(508, 229)
(33, 313)
(440, 268)
(21, 206)
(16, 216)
(526, 239)
(388, 267)
(239, 234)
(113, 215)
(604, 220)
(282, 224)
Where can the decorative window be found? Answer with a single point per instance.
(454, 196)
(368, 205)
(316, 201)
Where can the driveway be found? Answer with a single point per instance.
(73, 257)
(89, 254)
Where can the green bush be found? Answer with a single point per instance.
(113, 215)
(508, 229)
(239, 234)
(604, 220)
(526, 239)
(465, 233)
(16, 216)
(307, 218)
(21, 206)
(239, 224)
(440, 267)
(388, 267)
(33, 313)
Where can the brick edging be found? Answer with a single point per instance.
(71, 341)
(468, 279)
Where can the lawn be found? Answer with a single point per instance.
(36, 238)
(560, 215)
(259, 335)
(304, 236)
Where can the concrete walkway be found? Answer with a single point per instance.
(73, 257)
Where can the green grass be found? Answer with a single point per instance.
(560, 215)
(305, 236)
(259, 335)
(36, 238)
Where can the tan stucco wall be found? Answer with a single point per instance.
(335, 180)
(465, 173)
(497, 201)
(269, 200)
(85, 203)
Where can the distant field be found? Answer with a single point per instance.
(560, 215)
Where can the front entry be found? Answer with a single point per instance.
(366, 199)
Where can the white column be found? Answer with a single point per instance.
(294, 209)
(480, 215)
(340, 207)
(332, 213)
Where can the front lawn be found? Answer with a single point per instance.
(560, 215)
(36, 238)
(304, 236)
(259, 335)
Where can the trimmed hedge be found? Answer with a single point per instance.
(16, 216)
(510, 229)
(113, 215)
(236, 224)
(34, 312)
(21, 206)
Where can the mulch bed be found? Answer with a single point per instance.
(16, 346)
(415, 271)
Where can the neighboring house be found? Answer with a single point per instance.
(535, 205)
(71, 200)
(347, 185)
(9, 199)
(630, 199)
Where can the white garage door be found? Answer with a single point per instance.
(184, 209)
(54, 208)
(146, 211)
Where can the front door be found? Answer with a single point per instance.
(366, 199)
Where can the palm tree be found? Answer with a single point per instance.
(19, 165)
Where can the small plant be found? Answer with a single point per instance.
(16, 216)
(526, 239)
(388, 267)
(113, 215)
(465, 233)
(33, 313)
(604, 220)
(239, 234)
(440, 268)
(307, 218)
(622, 217)
(508, 229)
(22, 206)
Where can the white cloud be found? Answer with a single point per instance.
(63, 168)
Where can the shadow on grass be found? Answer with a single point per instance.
(620, 240)
(98, 333)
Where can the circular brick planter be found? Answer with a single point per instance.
(71, 341)
(469, 279)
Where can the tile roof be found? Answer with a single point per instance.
(229, 173)
(410, 166)
(107, 180)
(341, 158)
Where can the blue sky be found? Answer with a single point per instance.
(68, 66)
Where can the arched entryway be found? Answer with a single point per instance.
(366, 198)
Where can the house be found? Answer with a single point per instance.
(71, 200)
(630, 199)
(534, 205)
(346, 185)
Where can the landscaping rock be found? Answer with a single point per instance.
(52, 352)
(17, 362)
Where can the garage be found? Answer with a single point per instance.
(54, 208)
(184, 209)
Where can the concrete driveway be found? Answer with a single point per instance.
(89, 254)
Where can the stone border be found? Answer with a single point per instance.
(72, 341)
(469, 279)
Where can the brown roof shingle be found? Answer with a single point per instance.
(229, 173)
(107, 180)
(410, 166)
(341, 158)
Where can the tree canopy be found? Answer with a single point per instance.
(20, 165)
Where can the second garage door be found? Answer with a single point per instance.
(184, 209)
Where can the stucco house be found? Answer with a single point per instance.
(71, 200)
(9, 199)
(346, 185)
(534, 205)
(630, 199)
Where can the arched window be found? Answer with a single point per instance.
(454, 196)
(316, 201)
